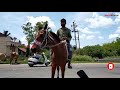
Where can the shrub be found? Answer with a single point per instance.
(82, 58)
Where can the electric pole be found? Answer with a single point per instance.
(78, 39)
(74, 30)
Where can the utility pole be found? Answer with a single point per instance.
(74, 30)
(78, 39)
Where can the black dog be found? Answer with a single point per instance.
(82, 74)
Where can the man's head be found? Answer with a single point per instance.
(63, 22)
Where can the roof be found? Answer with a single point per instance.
(2, 35)
(23, 49)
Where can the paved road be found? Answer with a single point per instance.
(40, 71)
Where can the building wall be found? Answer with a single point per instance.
(2, 45)
(5, 43)
(2, 49)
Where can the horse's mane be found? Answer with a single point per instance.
(55, 35)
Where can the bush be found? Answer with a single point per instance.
(47, 53)
(82, 58)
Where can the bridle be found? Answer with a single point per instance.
(45, 40)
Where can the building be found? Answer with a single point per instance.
(7, 45)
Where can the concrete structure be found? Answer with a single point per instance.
(7, 45)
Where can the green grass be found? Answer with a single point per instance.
(84, 58)
(21, 60)
(75, 59)
(88, 59)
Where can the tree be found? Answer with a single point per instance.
(29, 32)
(6, 33)
(39, 25)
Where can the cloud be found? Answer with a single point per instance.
(115, 34)
(100, 37)
(90, 37)
(79, 18)
(34, 20)
(117, 19)
(99, 21)
(95, 14)
(118, 30)
(86, 30)
(82, 36)
(23, 40)
(112, 36)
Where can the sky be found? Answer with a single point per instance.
(94, 27)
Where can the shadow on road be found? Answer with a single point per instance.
(40, 66)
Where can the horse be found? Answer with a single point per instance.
(14, 56)
(2, 57)
(45, 38)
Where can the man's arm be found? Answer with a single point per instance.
(69, 35)
(58, 33)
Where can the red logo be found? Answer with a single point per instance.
(111, 14)
(110, 66)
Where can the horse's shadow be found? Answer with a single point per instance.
(41, 66)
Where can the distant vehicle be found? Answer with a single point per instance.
(37, 59)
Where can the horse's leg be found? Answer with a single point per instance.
(63, 70)
(15, 60)
(10, 60)
(53, 70)
(57, 71)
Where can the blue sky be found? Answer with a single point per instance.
(94, 27)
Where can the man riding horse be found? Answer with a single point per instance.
(65, 34)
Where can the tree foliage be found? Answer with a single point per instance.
(107, 49)
(31, 31)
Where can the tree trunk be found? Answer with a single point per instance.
(28, 50)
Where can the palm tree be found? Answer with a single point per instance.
(6, 33)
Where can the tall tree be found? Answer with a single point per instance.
(39, 25)
(28, 31)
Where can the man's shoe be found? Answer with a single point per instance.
(70, 67)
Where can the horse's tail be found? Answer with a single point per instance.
(58, 71)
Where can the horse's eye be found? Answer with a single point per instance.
(41, 32)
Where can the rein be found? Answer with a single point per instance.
(58, 44)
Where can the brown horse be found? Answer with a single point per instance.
(2, 57)
(14, 57)
(59, 50)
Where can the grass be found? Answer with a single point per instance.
(88, 59)
(83, 58)
(75, 59)
(21, 60)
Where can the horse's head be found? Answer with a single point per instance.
(45, 38)
(39, 37)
